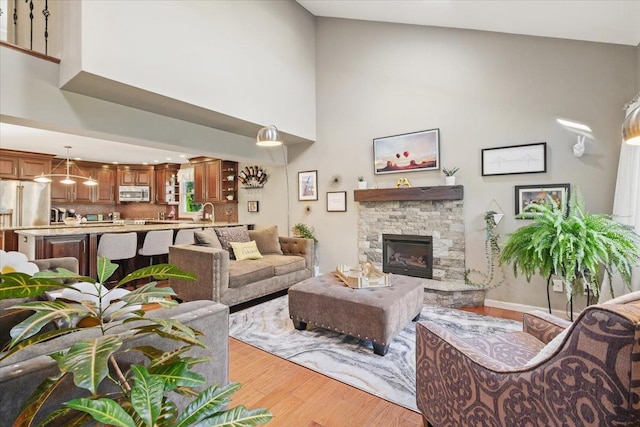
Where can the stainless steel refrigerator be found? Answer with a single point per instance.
(24, 203)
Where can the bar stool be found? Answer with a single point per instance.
(119, 247)
(185, 236)
(156, 243)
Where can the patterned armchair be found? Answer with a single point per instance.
(591, 378)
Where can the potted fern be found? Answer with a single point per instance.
(575, 245)
(145, 392)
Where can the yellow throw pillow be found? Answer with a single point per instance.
(246, 250)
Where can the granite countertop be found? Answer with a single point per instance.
(87, 228)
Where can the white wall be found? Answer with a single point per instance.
(251, 60)
(481, 90)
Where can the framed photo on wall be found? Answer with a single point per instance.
(308, 185)
(409, 152)
(253, 206)
(336, 201)
(515, 159)
(540, 194)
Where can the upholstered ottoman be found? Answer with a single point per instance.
(372, 314)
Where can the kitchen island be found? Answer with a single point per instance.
(81, 242)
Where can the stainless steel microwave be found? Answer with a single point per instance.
(133, 193)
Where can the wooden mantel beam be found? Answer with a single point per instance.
(443, 192)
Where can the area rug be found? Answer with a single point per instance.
(267, 326)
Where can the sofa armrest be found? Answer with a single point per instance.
(299, 246)
(543, 326)
(211, 267)
(52, 264)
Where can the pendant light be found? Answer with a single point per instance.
(631, 127)
(68, 177)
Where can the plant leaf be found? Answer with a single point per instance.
(45, 312)
(36, 339)
(147, 394)
(179, 375)
(158, 271)
(208, 403)
(63, 274)
(238, 417)
(150, 293)
(88, 360)
(37, 399)
(21, 285)
(103, 410)
(105, 269)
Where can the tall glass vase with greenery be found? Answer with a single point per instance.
(575, 245)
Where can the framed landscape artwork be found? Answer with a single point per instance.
(409, 152)
(336, 201)
(515, 159)
(308, 185)
(540, 194)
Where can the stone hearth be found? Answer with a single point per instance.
(425, 211)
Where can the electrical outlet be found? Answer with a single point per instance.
(557, 285)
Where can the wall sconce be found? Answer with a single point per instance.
(581, 130)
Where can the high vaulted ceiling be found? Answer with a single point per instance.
(606, 21)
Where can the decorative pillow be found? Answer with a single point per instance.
(232, 234)
(247, 250)
(207, 238)
(267, 240)
(549, 349)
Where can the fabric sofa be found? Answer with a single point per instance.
(553, 373)
(284, 261)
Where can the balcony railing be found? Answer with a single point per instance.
(26, 24)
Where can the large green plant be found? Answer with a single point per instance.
(145, 392)
(575, 245)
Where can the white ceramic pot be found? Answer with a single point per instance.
(362, 185)
(450, 180)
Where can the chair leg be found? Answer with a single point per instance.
(426, 422)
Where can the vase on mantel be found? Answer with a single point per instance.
(450, 180)
(362, 185)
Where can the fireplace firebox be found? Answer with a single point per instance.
(409, 255)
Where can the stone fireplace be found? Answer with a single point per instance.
(418, 211)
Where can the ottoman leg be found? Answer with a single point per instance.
(380, 349)
(301, 326)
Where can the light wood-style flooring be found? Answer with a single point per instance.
(300, 397)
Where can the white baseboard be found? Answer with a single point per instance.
(525, 308)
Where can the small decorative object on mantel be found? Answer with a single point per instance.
(362, 184)
(253, 177)
(450, 175)
(403, 182)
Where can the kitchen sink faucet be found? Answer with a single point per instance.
(203, 210)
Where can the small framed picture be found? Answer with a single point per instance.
(308, 185)
(336, 201)
(540, 194)
(253, 206)
(515, 159)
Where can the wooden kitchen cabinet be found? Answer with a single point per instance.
(167, 187)
(104, 192)
(23, 165)
(76, 246)
(206, 181)
(135, 176)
